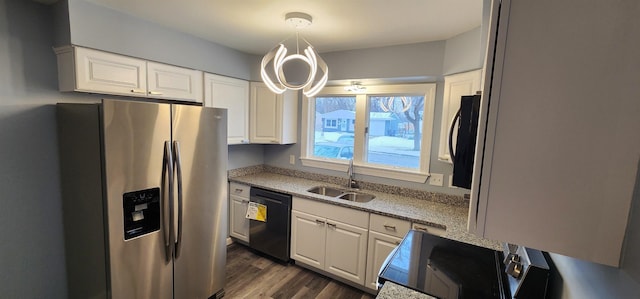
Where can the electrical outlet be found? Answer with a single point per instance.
(436, 179)
(292, 159)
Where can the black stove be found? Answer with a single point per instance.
(447, 269)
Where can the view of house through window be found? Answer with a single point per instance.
(334, 127)
(386, 130)
(395, 124)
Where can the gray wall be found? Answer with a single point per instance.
(464, 52)
(31, 238)
(244, 155)
(98, 27)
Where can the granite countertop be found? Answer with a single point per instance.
(453, 218)
(391, 290)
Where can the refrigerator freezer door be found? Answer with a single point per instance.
(134, 137)
(201, 135)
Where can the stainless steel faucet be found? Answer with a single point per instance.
(352, 184)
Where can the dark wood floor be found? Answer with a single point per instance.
(252, 276)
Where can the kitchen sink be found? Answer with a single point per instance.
(342, 194)
(357, 196)
(327, 191)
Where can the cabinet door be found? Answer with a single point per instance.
(346, 251)
(455, 86)
(172, 82)
(265, 108)
(308, 238)
(232, 94)
(238, 223)
(379, 247)
(559, 162)
(108, 73)
(273, 117)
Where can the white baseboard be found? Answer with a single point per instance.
(229, 241)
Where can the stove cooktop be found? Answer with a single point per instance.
(449, 269)
(446, 268)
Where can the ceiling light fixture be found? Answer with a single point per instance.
(278, 58)
(355, 87)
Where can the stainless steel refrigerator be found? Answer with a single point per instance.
(144, 199)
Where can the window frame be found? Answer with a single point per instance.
(420, 175)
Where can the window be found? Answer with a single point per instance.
(387, 131)
(394, 137)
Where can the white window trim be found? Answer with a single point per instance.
(419, 176)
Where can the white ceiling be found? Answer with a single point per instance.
(256, 26)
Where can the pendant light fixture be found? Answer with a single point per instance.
(390, 105)
(277, 58)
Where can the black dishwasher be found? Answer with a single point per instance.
(271, 236)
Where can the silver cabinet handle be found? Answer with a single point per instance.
(331, 224)
(390, 227)
(245, 201)
(238, 190)
(318, 221)
(138, 91)
(420, 228)
(155, 93)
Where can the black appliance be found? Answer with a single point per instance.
(448, 269)
(462, 157)
(271, 236)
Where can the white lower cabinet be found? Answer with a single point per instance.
(238, 202)
(330, 238)
(347, 243)
(346, 251)
(308, 239)
(380, 246)
(384, 235)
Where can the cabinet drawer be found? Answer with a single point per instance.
(330, 211)
(429, 229)
(239, 190)
(388, 225)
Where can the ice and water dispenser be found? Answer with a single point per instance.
(141, 210)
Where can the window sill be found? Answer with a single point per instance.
(384, 172)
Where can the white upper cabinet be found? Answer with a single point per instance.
(172, 82)
(273, 117)
(455, 86)
(232, 94)
(88, 70)
(558, 165)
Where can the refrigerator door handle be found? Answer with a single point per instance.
(178, 161)
(167, 199)
(453, 126)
